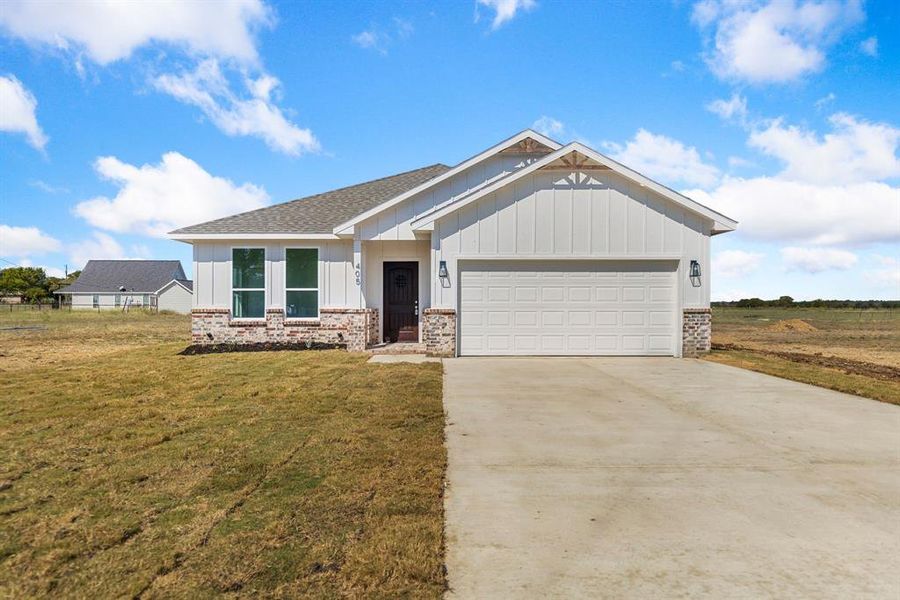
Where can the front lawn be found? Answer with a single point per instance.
(138, 472)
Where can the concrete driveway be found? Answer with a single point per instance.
(644, 477)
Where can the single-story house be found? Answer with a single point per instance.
(120, 284)
(528, 248)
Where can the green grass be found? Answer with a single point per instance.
(139, 472)
(848, 350)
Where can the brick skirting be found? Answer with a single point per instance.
(354, 328)
(696, 332)
(439, 331)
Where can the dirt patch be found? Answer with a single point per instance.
(260, 347)
(798, 325)
(858, 367)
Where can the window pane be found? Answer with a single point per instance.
(248, 268)
(302, 304)
(302, 268)
(248, 305)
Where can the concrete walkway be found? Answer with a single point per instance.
(665, 478)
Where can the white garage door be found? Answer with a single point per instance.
(567, 307)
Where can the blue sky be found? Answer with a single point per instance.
(118, 123)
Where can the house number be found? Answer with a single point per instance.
(358, 275)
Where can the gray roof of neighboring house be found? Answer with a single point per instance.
(187, 283)
(140, 276)
(320, 213)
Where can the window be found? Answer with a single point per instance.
(248, 283)
(301, 296)
(96, 300)
(118, 300)
(145, 300)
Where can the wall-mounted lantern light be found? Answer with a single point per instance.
(695, 268)
(442, 270)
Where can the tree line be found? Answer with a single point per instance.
(32, 284)
(788, 302)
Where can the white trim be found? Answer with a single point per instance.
(528, 133)
(571, 257)
(231, 288)
(186, 288)
(721, 223)
(381, 320)
(187, 237)
(318, 289)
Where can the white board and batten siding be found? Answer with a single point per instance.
(394, 223)
(175, 298)
(212, 271)
(570, 263)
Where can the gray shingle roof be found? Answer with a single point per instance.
(186, 283)
(140, 276)
(320, 213)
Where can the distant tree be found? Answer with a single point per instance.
(30, 282)
(55, 283)
(785, 301)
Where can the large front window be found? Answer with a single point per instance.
(248, 283)
(301, 282)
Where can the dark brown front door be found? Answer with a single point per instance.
(401, 301)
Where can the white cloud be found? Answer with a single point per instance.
(548, 126)
(208, 89)
(98, 247)
(370, 38)
(816, 260)
(774, 209)
(375, 38)
(110, 31)
(733, 109)
(48, 188)
(50, 271)
(855, 151)
(504, 10)
(736, 263)
(665, 159)
(887, 276)
(25, 241)
(772, 42)
(825, 101)
(155, 199)
(737, 162)
(17, 111)
(869, 46)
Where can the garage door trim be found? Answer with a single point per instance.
(469, 262)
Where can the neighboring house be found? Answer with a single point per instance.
(117, 284)
(529, 248)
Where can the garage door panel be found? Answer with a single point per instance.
(560, 307)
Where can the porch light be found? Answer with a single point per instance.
(442, 270)
(695, 268)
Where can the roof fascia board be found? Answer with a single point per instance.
(724, 223)
(720, 221)
(175, 281)
(191, 237)
(528, 133)
(440, 211)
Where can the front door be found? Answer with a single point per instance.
(401, 301)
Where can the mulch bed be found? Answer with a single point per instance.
(258, 347)
(846, 365)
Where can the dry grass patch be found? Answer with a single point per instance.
(144, 473)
